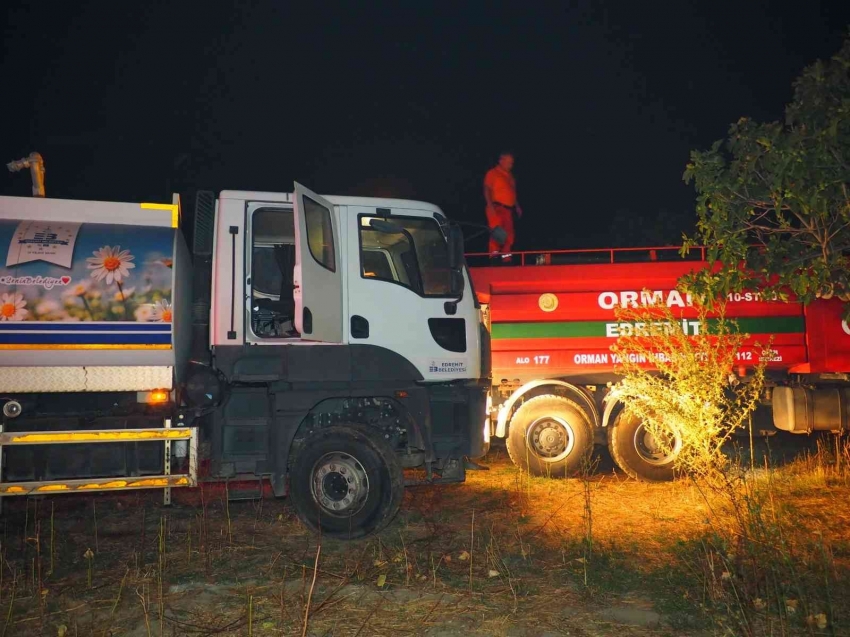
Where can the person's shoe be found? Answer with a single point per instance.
(474, 466)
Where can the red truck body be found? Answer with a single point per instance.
(569, 332)
(553, 320)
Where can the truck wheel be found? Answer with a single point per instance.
(550, 436)
(637, 452)
(346, 483)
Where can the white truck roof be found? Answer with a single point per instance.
(158, 215)
(165, 215)
(378, 202)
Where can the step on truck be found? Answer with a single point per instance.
(331, 346)
(552, 322)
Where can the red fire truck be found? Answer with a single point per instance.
(552, 323)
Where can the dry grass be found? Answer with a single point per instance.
(597, 556)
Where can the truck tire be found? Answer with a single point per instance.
(346, 482)
(550, 436)
(635, 452)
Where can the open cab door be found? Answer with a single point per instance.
(318, 272)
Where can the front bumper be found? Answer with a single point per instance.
(457, 415)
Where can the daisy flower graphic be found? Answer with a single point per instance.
(111, 264)
(79, 291)
(48, 307)
(144, 313)
(12, 307)
(162, 312)
(76, 290)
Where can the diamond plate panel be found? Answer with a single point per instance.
(42, 379)
(128, 378)
(80, 379)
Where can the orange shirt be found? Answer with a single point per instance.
(502, 186)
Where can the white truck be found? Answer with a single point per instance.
(323, 343)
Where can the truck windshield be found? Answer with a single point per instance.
(417, 258)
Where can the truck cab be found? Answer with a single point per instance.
(332, 317)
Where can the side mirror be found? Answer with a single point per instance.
(455, 240)
(499, 234)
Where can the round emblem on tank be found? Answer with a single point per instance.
(548, 302)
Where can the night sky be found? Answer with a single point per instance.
(601, 101)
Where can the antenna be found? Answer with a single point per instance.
(35, 163)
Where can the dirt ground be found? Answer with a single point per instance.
(501, 554)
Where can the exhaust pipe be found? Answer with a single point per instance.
(35, 163)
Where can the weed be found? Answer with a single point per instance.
(160, 572)
(763, 565)
(691, 402)
(250, 615)
(89, 561)
(312, 588)
(471, 546)
(143, 600)
(52, 541)
(227, 510)
(11, 603)
(120, 590)
(94, 517)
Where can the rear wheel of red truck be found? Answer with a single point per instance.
(637, 452)
(346, 482)
(550, 436)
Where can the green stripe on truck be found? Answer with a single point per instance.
(598, 329)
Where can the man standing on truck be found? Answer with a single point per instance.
(500, 195)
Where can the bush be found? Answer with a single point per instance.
(678, 379)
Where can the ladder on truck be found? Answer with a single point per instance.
(166, 480)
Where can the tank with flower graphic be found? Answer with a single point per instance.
(84, 273)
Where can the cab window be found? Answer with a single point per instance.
(272, 270)
(415, 257)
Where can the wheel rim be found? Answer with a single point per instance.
(339, 484)
(651, 452)
(550, 438)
